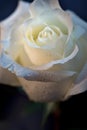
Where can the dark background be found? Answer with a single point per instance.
(15, 107)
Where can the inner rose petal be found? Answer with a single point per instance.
(46, 35)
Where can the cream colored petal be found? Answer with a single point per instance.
(32, 75)
(53, 3)
(77, 63)
(78, 31)
(6, 77)
(76, 89)
(46, 91)
(7, 63)
(40, 57)
(82, 75)
(16, 42)
(38, 6)
(34, 28)
(77, 20)
(48, 59)
(80, 84)
(13, 20)
(60, 18)
(13, 23)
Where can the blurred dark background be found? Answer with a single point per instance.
(18, 113)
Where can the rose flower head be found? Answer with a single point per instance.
(46, 50)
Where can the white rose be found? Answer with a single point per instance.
(48, 50)
(45, 39)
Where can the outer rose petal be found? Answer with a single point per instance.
(47, 91)
(7, 77)
(38, 6)
(77, 63)
(13, 19)
(33, 75)
(80, 85)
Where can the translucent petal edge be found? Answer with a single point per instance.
(62, 61)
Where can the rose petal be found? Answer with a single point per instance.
(53, 3)
(77, 20)
(13, 19)
(38, 6)
(80, 84)
(32, 75)
(78, 31)
(6, 77)
(56, 62)
(46, 91)
(77, 89)
(77, 63)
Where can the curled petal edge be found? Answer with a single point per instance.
(32, 75)
(62, 61)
